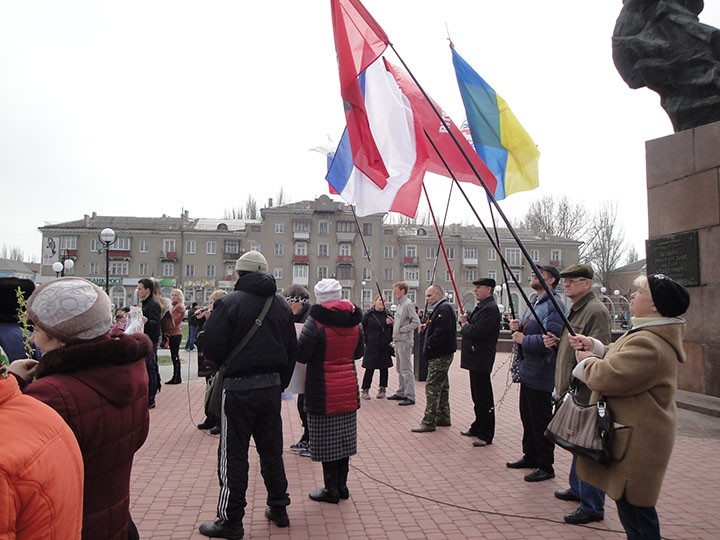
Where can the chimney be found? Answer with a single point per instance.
(94, 215)
(270, 202)
(87, 220)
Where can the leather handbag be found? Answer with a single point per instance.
(583, 430)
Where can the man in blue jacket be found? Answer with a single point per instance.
(537, 377)
(439, 349)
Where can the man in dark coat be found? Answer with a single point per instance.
(254, 379)
(440, 344)
(480, 331)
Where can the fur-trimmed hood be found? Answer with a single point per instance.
(340, 313)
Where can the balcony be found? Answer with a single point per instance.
(470, 261)
(303, 236)
(120, 254)
(413, 283)
(346, 237)
(230, 257)
(301, 259)
(410, 261)
(345, 259)
(167, 256)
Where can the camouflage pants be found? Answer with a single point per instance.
(437, 391)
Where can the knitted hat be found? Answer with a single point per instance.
(670, 298)
(327, 290)
(70, 309)
(578, 270)
(252, 261)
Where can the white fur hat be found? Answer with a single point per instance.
(327, 290)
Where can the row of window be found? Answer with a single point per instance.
(305, 226)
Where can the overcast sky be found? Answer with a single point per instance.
(150, 107)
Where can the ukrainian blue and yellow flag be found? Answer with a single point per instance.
(497, 135)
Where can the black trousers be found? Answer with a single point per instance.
(481, 391)
(303, 417)
(368, 377)
(639, 522)
(250, 413)
(536, 413)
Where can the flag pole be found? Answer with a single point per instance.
(490, 195)
(442, 247)
(367, 256)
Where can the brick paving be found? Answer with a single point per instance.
(404, 486)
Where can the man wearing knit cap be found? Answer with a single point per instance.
(590, 317)
(254, 379)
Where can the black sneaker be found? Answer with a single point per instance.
(395, 397)
(222, 529)
(539, 475)
(278, 515)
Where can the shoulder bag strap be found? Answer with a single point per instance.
(257, 324)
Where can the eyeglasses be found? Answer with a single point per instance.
(571, 281)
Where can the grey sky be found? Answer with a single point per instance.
(147, 108)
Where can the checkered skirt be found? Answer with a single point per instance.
(332, 436)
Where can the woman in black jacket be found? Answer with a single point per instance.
(377, 330)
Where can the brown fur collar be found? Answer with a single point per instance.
(122, 350)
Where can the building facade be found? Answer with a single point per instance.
(303, 242)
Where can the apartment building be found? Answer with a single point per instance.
(303, 242)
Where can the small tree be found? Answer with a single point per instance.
(251, 208)
(606, 242)
(12, 252)
(632, 255)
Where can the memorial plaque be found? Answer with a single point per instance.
(675, 256)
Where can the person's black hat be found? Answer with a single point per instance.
(487, 281)
(552, 270)
(578, 270)
(670, 298)
(8, 294)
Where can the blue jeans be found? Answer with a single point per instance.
(639, 522)
(592, 500)
(192, 337)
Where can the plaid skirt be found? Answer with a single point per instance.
(332, 436)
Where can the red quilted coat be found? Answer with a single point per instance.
(100, 388)
(329, 344)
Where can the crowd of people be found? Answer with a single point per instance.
(89, 378)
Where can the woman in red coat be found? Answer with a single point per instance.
(98, 384)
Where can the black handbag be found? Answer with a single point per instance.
(583, 430)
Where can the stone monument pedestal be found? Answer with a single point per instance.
(683, 187)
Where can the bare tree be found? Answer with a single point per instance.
(632, 255)
(606, 242)
(12, 252)
(251, 208)
(281, 197)
(556, 217)
(234, 213)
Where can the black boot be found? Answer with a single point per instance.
(176, 372)
(330, 492)
(344, 468)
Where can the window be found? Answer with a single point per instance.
(322, 272)
(323, 228)
(535, 254)
(94, 268)
(68, 242)
(492, 254)
(144, 269)
(345, 226)
(168, 269)
(190, 246)
(518, 275)
(447, 277)
(429, 275)
(229, 270)
(169, 246)
(412, 295)
(512, 256)
(345, 250)
(301, 249)
(450, 253)
(190, 270)
(388, 252)
(122, 243)
(345, 293)
(367, 298)
(231, 247)
(143, 246)
(279, 227)
(411, 274)
(470, 275)
(300, 271)
(323, 250)
(278, 272)
(388, 274)
(344, 271)
(119, 268)
(367, 273)
(387, 296)
(555, 255)
(95, 245)
(301, 225)
(430, 252)
(210, 270)
(411, 251)
(470, 253)
(367, 229)
(369, 251)
(279, 250)
(255, 246)
(211, 247)
(492, 274)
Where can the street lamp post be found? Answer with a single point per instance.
(362, 295)
(107, 237)
(60, 268)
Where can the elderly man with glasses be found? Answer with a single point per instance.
(589, 317)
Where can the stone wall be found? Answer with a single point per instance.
(683, 186)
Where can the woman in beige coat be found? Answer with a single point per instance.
(638, 375)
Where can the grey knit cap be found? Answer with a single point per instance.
(70, 309)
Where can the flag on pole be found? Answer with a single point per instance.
(359, 41)
(398, 133)
(497, 135)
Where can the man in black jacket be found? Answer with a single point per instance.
(254, 379)
(439, 348)
(480, 331)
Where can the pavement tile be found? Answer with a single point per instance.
(403, 485)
